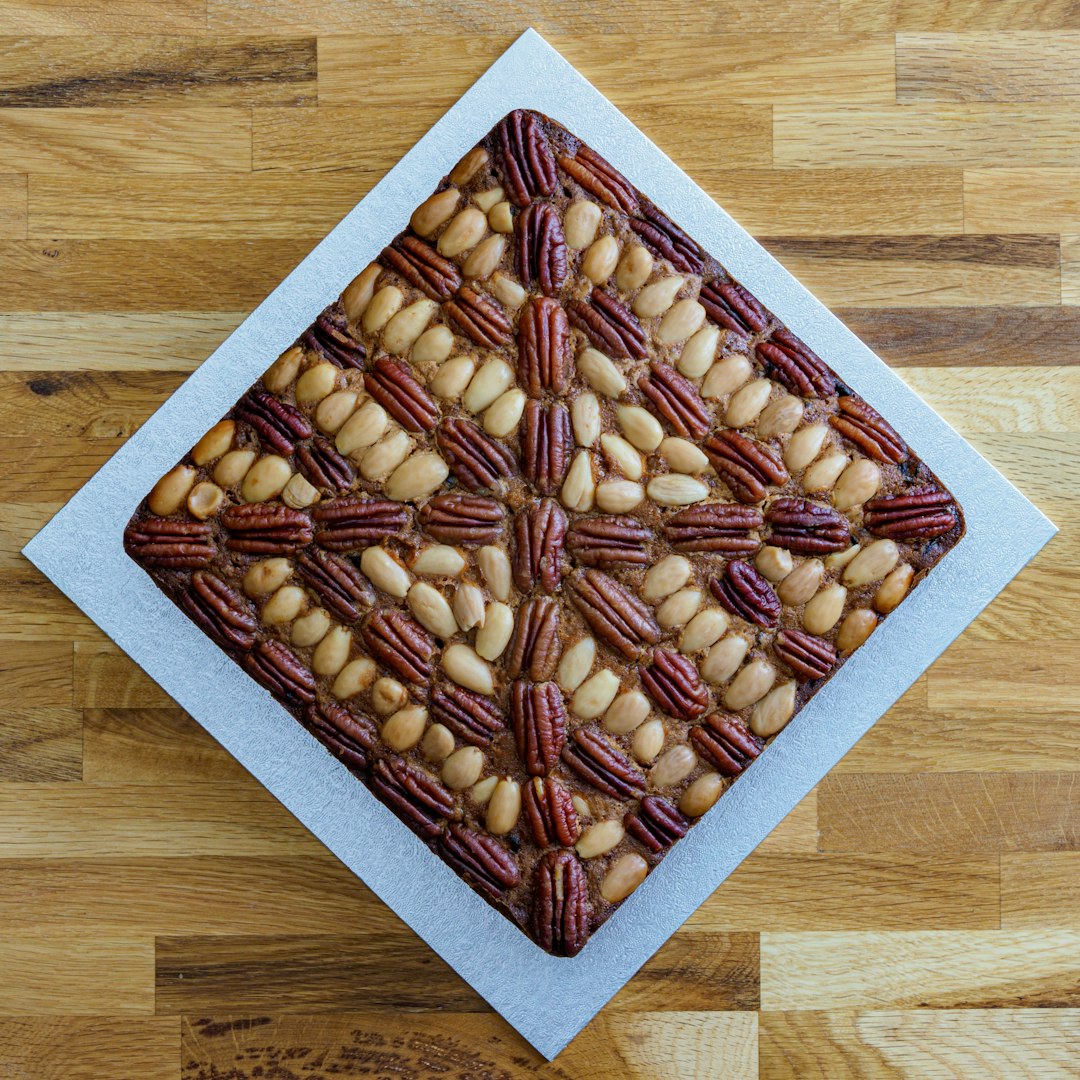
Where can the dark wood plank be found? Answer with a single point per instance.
(41, 744)
(35, 673)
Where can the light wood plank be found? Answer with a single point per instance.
(18, 523)
(129, 140)
(152, 746)
(884, 15)
(798, 832)
(1002, 66)
(13, 202)
(104, 677)
(90, 1048)
(135, 821)
(943, 969)
(924, 272)
(962, 813)
(1070, 270)
(919, 133)
(999, 1044)
(1040, 889)
(127, 69)
(357, 69)
(36, 673)
(57, 17)
(853, 892)
(1021, 200)
(51, 974)
(41, 744)
(134, 276)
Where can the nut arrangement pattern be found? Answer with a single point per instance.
(545, 528)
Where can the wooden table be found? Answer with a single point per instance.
(163, 163)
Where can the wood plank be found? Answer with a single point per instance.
(965, 336)
(1040, 889)
(1034, 462)
(1070, 270)
(998, 1044)
(924, 272)
(105, 70)
(922, 133)
(112, 341)
(888, 15)
(333, 138)
(134, 276)
(50, 974)
(103, 17)
(791, 66)
(943, 969)
(13, 202)
(18, 523)
(53, 468)
(89, 821)
(35, 673)
(152, 746)
(127, 140)
(35, 610)
(961, 813)
(1000, 66)
(999, 399)
(798, 832)
(125, 206)
(41, 744)
(93, 404)
(853, 892)
(90, 1048)
(464, 1046)
(104, 677)
(1039, 605)
(1020, 200)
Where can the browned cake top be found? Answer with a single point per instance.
(545, 528)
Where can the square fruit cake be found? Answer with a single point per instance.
(545, 528)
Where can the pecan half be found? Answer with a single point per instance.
(543, 346)
(609, 543)
(808, 656)
(539, 535)
(560, 914)
(354, 523)
(279, 669)
(528, 166)
(722, 527)
(394, 387)
(546, 444)
(673, 682)
(337, 582)
(401, 644)
(279, 425)
(796, 365)
(725, 742)
(462, 519)
(747, 466)
(347, 735)
(473, 718)
(869, 430)
(610, 325)
(329, 337)
(418, 799)
(423, 267)
(744, 592)
(731, 306)
(481, 858)
(674, 397)
(806, 528)
(598, 177)
(656, 824)
(539, 719)
(615, 614)
(477, 461)
(541, 253)
(266, 529)
(535, 648)
(664, 238)
(551, 813)
(604, 766)
(479, 319)
(323, 466)
(220, 611)
(171, 545)
(919, 514)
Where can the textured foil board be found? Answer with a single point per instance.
(547, 999)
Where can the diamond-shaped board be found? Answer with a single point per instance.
(545, 528)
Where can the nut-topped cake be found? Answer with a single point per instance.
(545, 528)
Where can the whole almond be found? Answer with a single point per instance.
(752, 683)
(704, 630)
(214, 443)
(380, 460)
(676, 489)
(823, 611)
(316, 383)
(432, 212)
(310, 628)
(726, 376)
(679, 608)
(434, 345)
(673, 766)
(804, 446)
(665, 577)
(495, 567)
(501, 217)
(699, 352)
(626, 712)
(281, 374)
(463, 233)
(284, 606)
(450, 381)
(468, 166)
(648, 741)
(332, 653)
(385, 572)
(871, 564)
(407, 325)
(576, 663)
(634, 268)
(618, 496)
(417, 477)
(491, 381)
(600, 838)
(640, 427)
(437, 743)
(170, 492)
(494, 635)
(682, 456)
(464, 667)
(485, 257)
(439, 560)
(893, 589)
(405, 728)
(780, 417)
(747, 402)
(585, 416)
(701, 795)
(622, 455)
(385, 304)
(431, 609)
(504, 807)
(483, 790)
(356, 676)
(462, 769)
(723, 659)
(600, 373)
(683, 319)
(599, 261)
(855, 629)
(507, 291)
(858, 483)
(580, 223)
(774, 710)
(592, 697)
(625, 875)
(364, 428)
(801, 584)
(266, 479)
(359, 291)
(333, 411)
(504, 414)
(656, 298)
(579, 487)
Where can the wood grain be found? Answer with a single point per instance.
(1038, 890)
(102, 17)
(13, 204)
(881, 15)
(1070, 270)
(41, 744)
(1022, 200)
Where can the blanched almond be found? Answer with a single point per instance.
(855, 629)
(491, 381)
(625, 875)
(333, 411)
(682, 456)
(723, 659)
(170, 492)
(432, 212)
(622, 455)
(683, 319)
(801, 583)
(501, 217)
(494, 635)
(332, 653)
(648, 741)
(482, 791)
(823, 473)
(774, 710)
(437, 743)
(468, 166)
(495, 567)
(358, 293)
(463, 666)
(599, 261)
(701, 795)
(640, 427)
(507, 291)
(580, 223)
(705, 629)
(405, 728)
(504, 807)
(871, 564)
(893, 589)
(463, 233)
(266, 479)
(665, 577)
(858, 483)
(600, 838)
(431, 609)
(656, 298)
(380, 460)
(626, 712)
(364, 428)
(310, 628)
(804, 446)
(356, 676)
(699, 352)
(316, 383)
(489, 198)
(592, 697)
(676, 489)
(205, 500)
(468, 607)
(417, 477)
(384, 305)
(462, 769)
(434, 345)
(726, 376)
(439, 560)
(407, 325)
(618, 496)
(600, 373)
(585, 416)
(450, 380)
(780, 417)
(674, 765)
(747, 402)
(579, 487)
(264, 577)
(384, 571)
(299, 493)
(634, 268)
(214, 443)
(281, 374)
(576, 663)
(679, 608)
(752, 683)
(485, 257)
(774, 563)
(284, 605)
(504, 414)
(822, 612)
